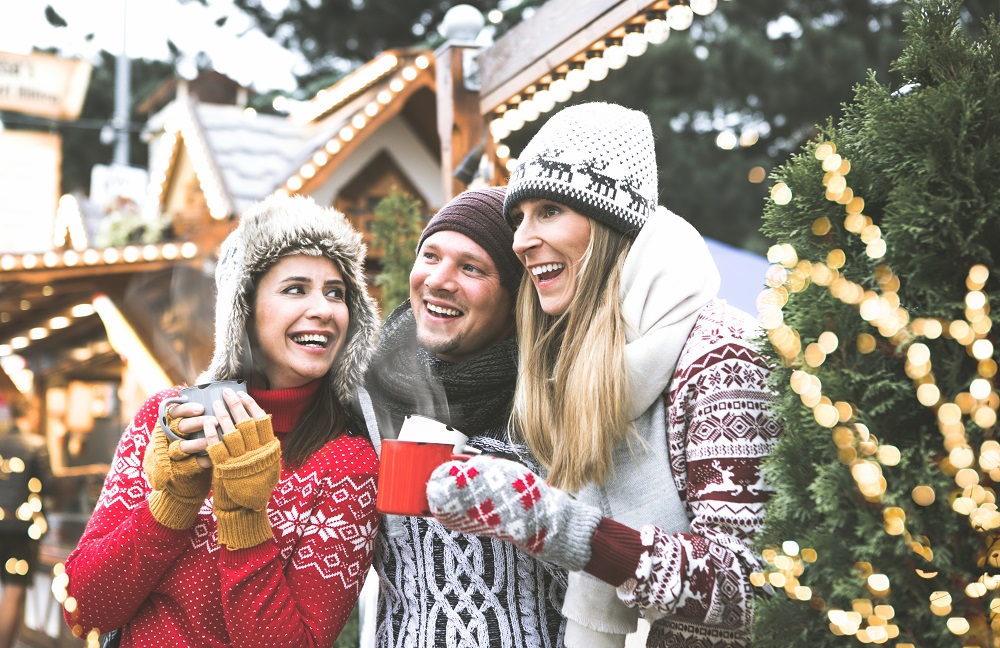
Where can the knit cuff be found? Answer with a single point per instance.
(573, 547)
(173, 512)
(248, 560)
(243, 528)
(615, 552)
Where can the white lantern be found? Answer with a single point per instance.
(544, 101)
(615, 56)
(656, 30)
(680, 17)
(529, 112)
(577, 80)
(703, 7)
(635, 43)
(513, 119)
(499, 129)
(596, 68)
(560, 90)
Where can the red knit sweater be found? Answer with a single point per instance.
(180, 588)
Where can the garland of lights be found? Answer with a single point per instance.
(593, 64)
(339, 93)
(856, 446)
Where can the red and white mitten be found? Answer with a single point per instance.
(503, 499)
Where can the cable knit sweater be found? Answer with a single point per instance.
(694, 585)
(180, 588)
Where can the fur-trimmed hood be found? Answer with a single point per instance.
(270, 230)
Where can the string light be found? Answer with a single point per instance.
(499, 128)
(680, 17)
(595, 67)
(528, 110)
(560, 88)
(576, 78)
(635, 42)
(615, 55)
(656, 29)
(703, 7)
(389, 66)
(512, 118)
(543, 98)
(883, 310)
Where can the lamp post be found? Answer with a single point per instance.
(123, 84)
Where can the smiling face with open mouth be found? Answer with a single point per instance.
(300, 319)
(551, 240)
(458, 302)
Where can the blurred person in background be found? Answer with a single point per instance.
(265, 542)
(25, 470)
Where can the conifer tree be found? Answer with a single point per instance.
(883, 527)
(399, 220)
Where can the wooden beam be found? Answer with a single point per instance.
(559, 30)
(460, 126)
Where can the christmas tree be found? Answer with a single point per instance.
(883, 528)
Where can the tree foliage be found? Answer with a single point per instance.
(396, 229)
(923, 165)
(335, 34)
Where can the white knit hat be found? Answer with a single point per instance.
(596, 158)
(270, 230)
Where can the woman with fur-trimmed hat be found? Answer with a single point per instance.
(265, 542)
(639, 391)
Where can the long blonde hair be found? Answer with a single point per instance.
(572, 395)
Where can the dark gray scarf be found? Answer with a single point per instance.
(403, 378)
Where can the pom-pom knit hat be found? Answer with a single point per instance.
(274, 228)
(478, 214)
(596, 158)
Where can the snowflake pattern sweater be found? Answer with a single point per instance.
(695, 586)
(180, 588)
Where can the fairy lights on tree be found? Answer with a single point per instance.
(884, 527)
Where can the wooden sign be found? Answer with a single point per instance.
(29, 190)
(43, 84)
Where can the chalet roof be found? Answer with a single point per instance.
(241, 156)
(254, 153)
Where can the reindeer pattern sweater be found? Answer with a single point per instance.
(180, 588)
(694, 586)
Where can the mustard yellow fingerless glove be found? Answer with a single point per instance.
(180, 485)
(247, 468)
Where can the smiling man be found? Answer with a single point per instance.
(449, 353)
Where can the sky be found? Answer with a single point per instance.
(236, 49)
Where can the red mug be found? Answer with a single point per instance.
(406, 463)
(403, 472)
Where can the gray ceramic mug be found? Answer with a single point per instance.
(206, 394)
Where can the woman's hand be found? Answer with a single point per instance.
(184, 419)
(247, 462)
(503, 499)
(180, 484)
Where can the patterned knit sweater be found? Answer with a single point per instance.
(694, 587)
(439, 588)
(180, 588)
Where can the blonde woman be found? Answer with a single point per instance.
(639, 392)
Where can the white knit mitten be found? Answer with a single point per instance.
(503, 499)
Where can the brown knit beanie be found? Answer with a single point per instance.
(478, 214)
